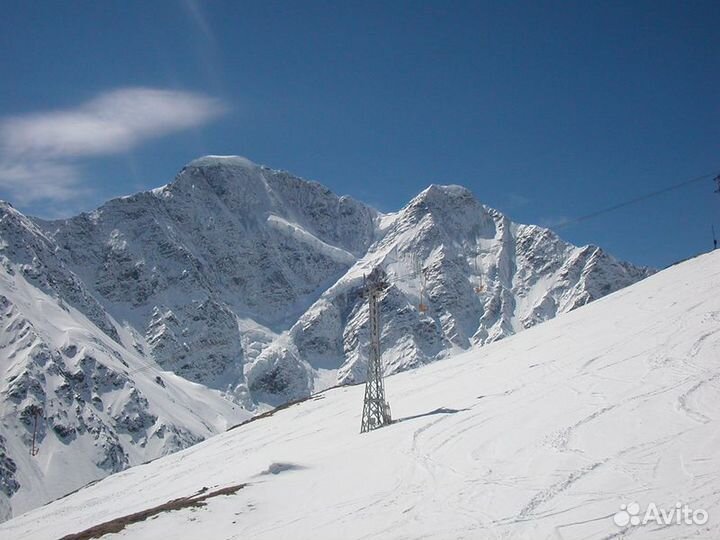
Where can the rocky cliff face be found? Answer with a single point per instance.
(480, 276)
(85, 401)
(159, 318)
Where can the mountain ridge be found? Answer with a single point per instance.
(245, 282)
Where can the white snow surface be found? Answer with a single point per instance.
(541, 435)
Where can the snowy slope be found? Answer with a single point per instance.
(541, 435)
(101, 406)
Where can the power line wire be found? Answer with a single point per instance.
(632, 201)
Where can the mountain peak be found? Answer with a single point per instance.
(222, 161)
(445, 191)
(439, 195)
(448, 202)
(237, 181)
(5, 207)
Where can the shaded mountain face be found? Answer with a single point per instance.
(247, 281)
(78, 403)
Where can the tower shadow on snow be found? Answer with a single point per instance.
(441, 410)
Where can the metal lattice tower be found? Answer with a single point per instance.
(376, 411)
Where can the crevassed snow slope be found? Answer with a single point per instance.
(542, 435)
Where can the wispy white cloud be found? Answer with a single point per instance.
(39, 152)
(197, 15)
(41, 180)
(111, 123)
(208, 57)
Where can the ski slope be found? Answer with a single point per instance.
(541, 435)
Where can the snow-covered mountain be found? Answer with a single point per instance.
(231, 241)
(576, 428)
(238, 287)
(101, 406)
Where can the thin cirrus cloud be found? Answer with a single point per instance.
(40, 152)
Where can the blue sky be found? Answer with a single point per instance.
(546, 110)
